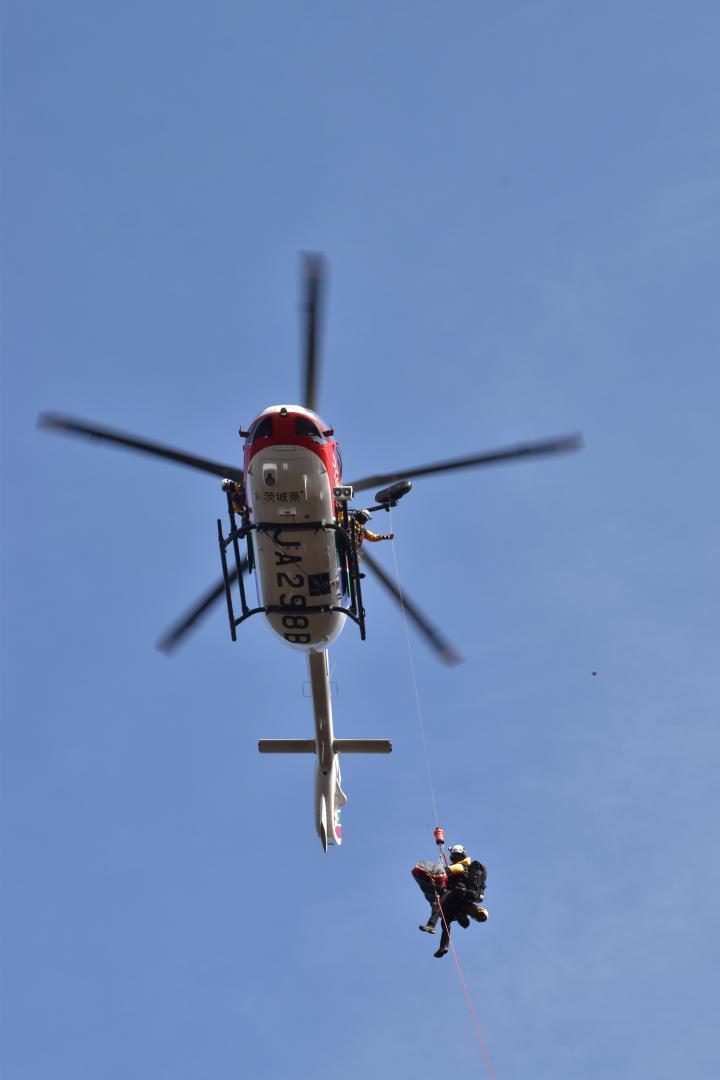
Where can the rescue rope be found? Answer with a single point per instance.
(426, 752)
(468, 998)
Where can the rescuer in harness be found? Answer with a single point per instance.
(360, 519)
(236, 491)
(460, 897)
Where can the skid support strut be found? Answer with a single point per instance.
(347, 554)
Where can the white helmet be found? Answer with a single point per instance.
(457, 853)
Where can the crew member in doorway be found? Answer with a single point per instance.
(236, 491)
(460, 901)
(360, 519)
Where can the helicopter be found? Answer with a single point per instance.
(292, 526)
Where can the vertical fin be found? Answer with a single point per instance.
(322, 826)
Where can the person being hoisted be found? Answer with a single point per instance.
(360, 519)
(460, 898)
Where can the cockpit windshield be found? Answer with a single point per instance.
(307, 429)
(262, 430)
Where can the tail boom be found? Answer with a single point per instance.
(329, 795)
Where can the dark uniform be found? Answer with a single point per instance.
(455, 904)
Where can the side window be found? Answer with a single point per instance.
(263, 430)
(338, 455)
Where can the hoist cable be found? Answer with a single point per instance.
(426, 752)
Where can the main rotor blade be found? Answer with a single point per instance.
(56, 422)
(313, 281)
(169, 642)
(492, 457)
(433, 636)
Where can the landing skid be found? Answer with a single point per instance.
(347, 553)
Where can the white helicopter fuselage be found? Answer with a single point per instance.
(290, 474)
(288, 485)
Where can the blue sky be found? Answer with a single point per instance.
(519, 204)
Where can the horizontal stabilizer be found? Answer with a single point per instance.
(287, 746)
(362, 746)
